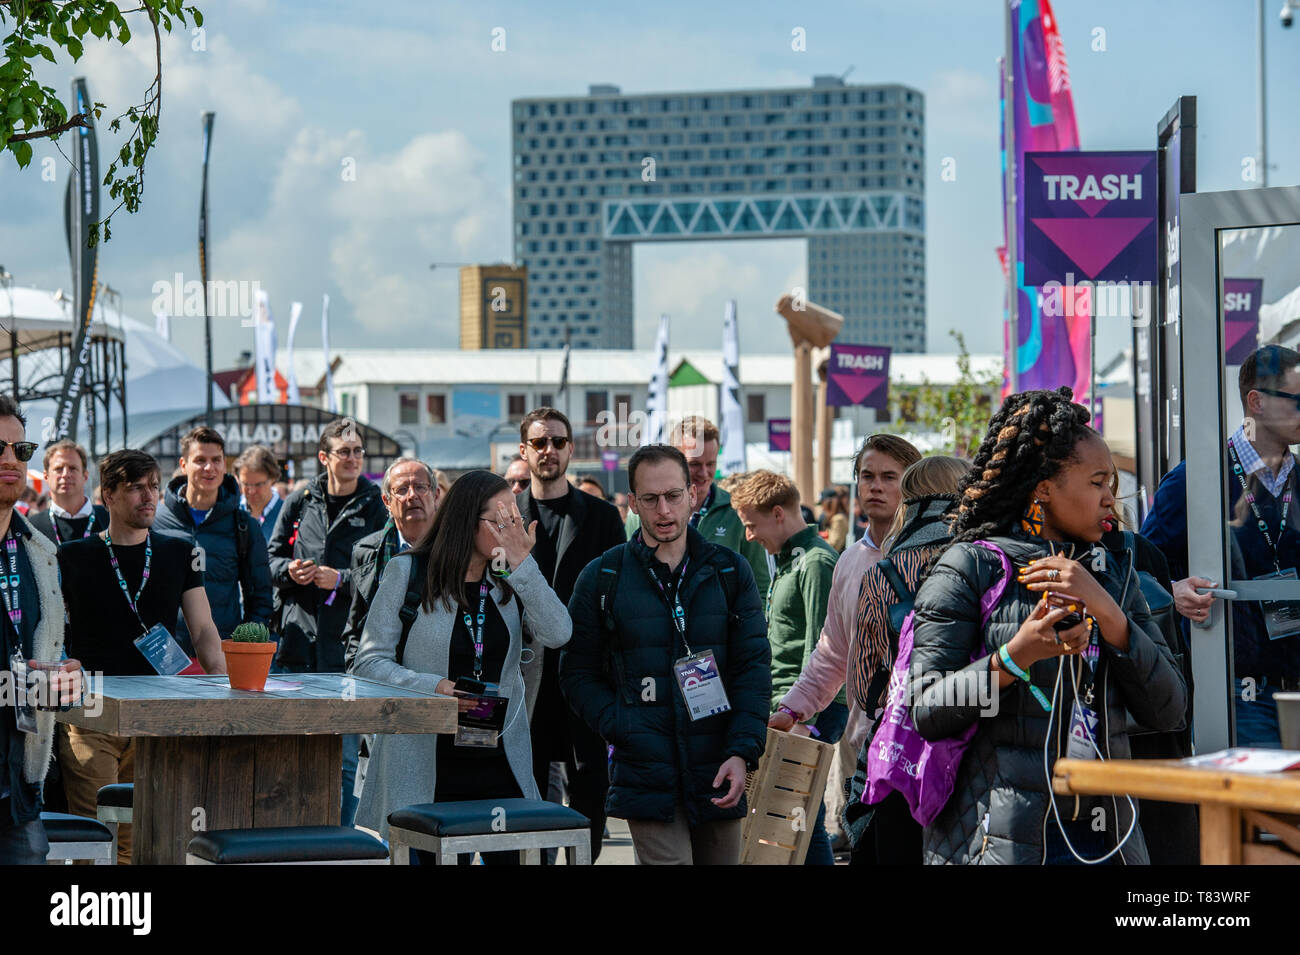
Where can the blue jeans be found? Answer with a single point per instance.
(1257, 718)
(830, 724)
(23, 845)
(351, 751)
(1089, 843)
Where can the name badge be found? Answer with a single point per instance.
(1281, 617)
(163, 653)
(481, 727)
(24, 705)
(701, 685)
(356, 521)
(1083, 732)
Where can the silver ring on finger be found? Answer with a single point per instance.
(1053, 574)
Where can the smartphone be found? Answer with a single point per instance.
(1070, 619)
(472, 687)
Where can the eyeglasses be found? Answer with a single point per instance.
(651, 501)
(23, 450)
(1265, 391)
(254, 485)
(559, 442)
(349, 452)
(410, 490)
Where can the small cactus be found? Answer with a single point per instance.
(251, 633)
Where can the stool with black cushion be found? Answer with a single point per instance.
(448, 829)
(286, 845)
(76, 838)
(113, 804)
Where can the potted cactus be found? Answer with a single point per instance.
(248, 656)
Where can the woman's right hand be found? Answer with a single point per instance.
(1037, 640)
(448, 688)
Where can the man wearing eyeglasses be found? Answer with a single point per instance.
(257, 470)
(573, 529)
(311, 557)
(1265, 538)
(409, 491)
(669, 661)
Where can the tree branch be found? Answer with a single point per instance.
(78, 120)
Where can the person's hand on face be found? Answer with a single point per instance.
(514, 539)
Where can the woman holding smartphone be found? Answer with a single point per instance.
(482, 588)
(1069, 647)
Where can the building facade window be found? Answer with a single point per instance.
(756, 409)
(436, 408)
(408, 408)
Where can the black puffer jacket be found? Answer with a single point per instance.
(999, 810)
(659, 753)
(311, 630)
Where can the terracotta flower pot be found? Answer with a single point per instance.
(248, 663)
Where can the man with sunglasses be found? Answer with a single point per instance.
(573, 529)
(1265, 538)
(32, 629)
(517, 474)
(311, 555)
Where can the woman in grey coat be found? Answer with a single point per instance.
(482, 588)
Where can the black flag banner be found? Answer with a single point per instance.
(81, 209)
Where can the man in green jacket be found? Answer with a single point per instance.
(697, 438)
(768, 507)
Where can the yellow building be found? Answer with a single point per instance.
(493, 307)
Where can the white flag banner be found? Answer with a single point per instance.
(293, 395)
(162, 324)
(264, 351)
(731, 457)
(656, 404)
(325, 346)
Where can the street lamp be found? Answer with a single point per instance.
(1289, 8)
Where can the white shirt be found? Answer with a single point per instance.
(86, 510)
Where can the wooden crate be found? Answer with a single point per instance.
(783, 794)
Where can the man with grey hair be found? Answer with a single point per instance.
(409, 490)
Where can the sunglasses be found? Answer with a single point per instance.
(23, 450)
(559, 442)
(1264, 391)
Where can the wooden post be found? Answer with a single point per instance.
(822, 468)
(801, 420)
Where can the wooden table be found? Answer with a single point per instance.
(209, 757)
(1268, 802)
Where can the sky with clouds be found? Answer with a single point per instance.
(412, 96)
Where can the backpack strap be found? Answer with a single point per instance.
(895, 580)
(411, 604)
(243, 548)
(611, 564)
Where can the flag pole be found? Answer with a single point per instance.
(208, 117)
(1012, 253)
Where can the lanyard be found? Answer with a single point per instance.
(699, 515)
(476, 632)
(1238, 470)
(54, 522)
(9, 586)
(675, 608)
(121, 581)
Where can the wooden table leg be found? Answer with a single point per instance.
(1220, 835)
(190, 784)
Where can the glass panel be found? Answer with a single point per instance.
(1259, 324)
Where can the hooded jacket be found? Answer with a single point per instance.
(232, 601)
(1000, 807)
(311, 623)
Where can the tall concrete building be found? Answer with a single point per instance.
(839, 165)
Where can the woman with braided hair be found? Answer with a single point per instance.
(1067, 649)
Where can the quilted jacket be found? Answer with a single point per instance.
(1000, 810)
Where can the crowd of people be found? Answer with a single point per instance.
(644, 643)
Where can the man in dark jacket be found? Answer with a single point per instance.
(203, 505)
(679, 761)
(1259, 458)
(573, 529)
(311, 556)
(410, 493)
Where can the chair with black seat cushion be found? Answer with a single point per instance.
(75, 838)
(286, 845)
(448, 829)
(113, 805)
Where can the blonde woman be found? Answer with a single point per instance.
(919, 532)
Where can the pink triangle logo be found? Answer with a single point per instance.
(1092, 244)
(1235, 331)
(857, 387)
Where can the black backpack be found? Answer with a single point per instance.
(611, 565)
(411, 603)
